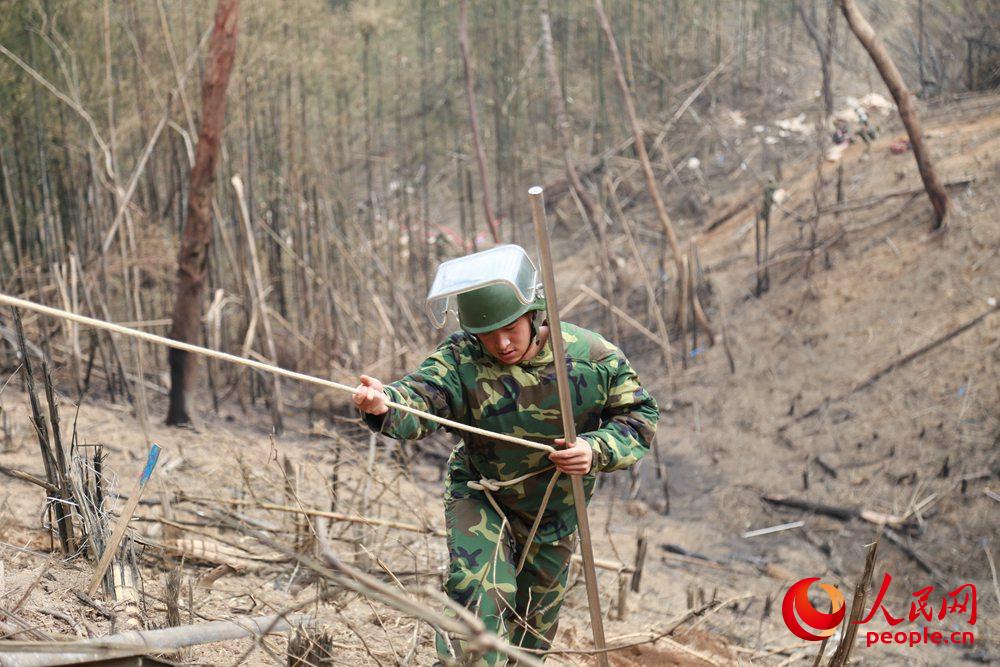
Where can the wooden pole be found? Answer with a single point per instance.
(569, 426)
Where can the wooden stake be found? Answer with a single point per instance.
(116, 537)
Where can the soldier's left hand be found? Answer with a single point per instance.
(575, 459)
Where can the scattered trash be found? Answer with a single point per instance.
(899, 146)
(797, 124)
(875, 102)
(773, 529)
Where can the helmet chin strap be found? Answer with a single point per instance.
(534, 327)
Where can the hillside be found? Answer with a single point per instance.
(921, 441)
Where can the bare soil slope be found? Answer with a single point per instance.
(921, 441)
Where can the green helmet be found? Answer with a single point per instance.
(491, 307)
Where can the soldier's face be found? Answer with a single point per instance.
(508, 344)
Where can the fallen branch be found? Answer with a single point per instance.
(840, 512)
(913, 555)
(338, 516)
(703, 611)
(627, 318)
(894, 365)
(733, 209)
(606, 564)
(872, 201)
(773, 529)
(37, 654)
(28, 477)
(219, 554)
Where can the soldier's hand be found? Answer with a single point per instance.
(369, 396)
(575, 459)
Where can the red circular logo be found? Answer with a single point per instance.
(796, 606)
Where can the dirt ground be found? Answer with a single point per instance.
(921, 441)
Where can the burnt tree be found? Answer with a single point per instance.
(192, 260)
(904, 101)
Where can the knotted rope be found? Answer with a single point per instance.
(489, 486)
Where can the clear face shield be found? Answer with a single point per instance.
(502, 265)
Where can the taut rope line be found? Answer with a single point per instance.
(267, 368)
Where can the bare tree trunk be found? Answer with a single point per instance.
(920, 44)
(470, 96)
(825, 52)
(193, 256)
(562, 123)
(639, 143)
(894, 81)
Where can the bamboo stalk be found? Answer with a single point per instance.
(259, 297)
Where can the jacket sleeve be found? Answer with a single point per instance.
(628, 421)
(435, 387)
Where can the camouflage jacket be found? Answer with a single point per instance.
(462, 382)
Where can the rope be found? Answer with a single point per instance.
(487, 486)
(258, 365)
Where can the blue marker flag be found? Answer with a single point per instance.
(154, 454)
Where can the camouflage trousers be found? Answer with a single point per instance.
(521, 608)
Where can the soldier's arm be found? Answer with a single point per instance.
(434, 387)
(628, 421)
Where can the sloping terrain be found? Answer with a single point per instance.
(921, 441)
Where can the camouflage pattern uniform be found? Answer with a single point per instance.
(462, 382)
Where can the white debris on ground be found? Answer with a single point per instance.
(737, 118)
(795, 125)
(836, 151)
(875, 102)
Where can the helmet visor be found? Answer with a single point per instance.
(506, 264)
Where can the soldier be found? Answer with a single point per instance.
(497, 373)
